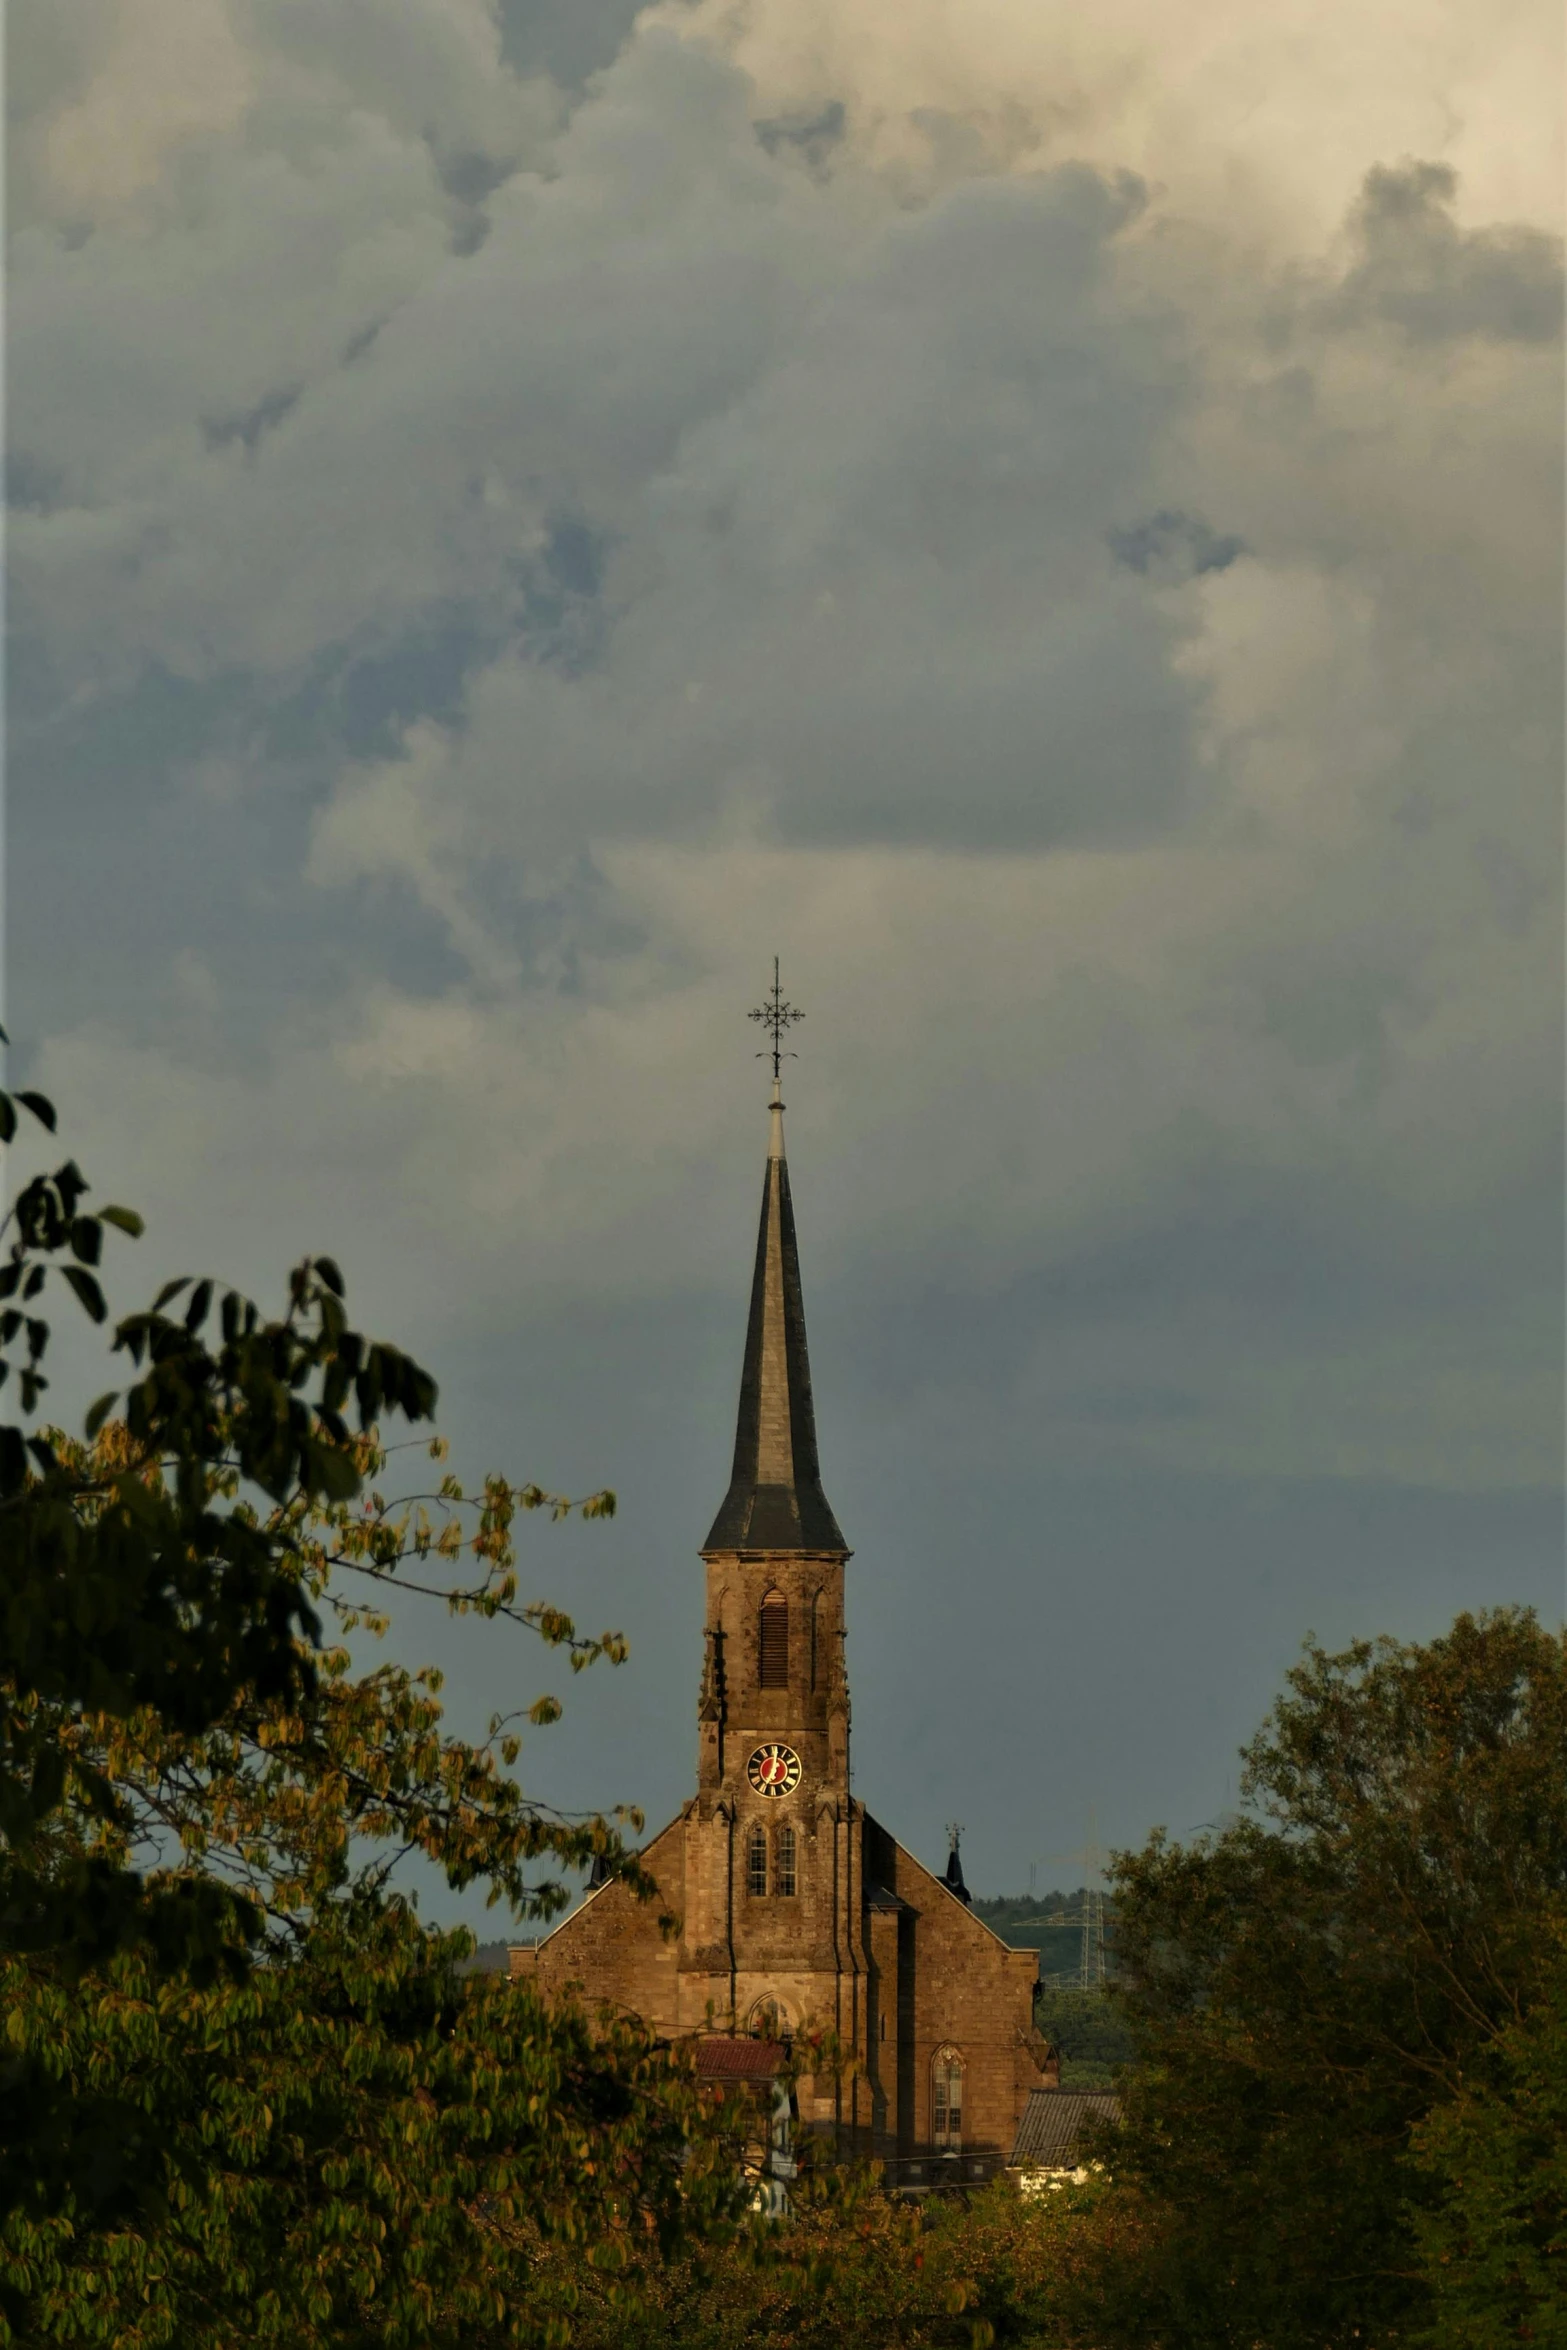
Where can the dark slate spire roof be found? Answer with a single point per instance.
(775, 1499)
(953, 1879)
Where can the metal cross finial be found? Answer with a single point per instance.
(777, 1017)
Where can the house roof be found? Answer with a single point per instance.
(1048, 2133)
(738, 2060)
(775, 1499)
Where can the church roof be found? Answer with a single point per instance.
(775, 1499)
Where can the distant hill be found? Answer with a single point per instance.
(1050, 1923)
(488, 1959)
(1083, 2025)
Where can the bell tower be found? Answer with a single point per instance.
(778, 1894)
(788, 1911)
(774, 1671)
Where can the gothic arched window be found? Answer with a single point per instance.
(783, 1862)
(774, 1666)
(756, 1860)
(946, 2098)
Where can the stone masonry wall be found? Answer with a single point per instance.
(612, 1950)
(969, 1992)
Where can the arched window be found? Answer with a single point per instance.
(783, 1862)
(774, 1673)
(756, 1860)
(946, 2098)
(769, 2020)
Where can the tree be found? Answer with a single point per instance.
(1493, 2245)
(244, 2093)
(125, 1594)
(325, 2142)
(1087, 2031)
(122, 1593)
(986, 2269)
(1310, 1986)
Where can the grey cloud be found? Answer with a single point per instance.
(31, 487)
(1180, 1208)
(567, 39)
(247, 428)
(562, 354)
(1042, 622)
(1423, 273)
(783, 471)
(874, 585)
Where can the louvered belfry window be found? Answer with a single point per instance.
(775, 1642)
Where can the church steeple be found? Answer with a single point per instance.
(775, 1499)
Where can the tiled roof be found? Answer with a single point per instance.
(1048, 2133)
(738, 2060)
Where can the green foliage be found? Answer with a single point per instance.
(1051, 1923)
(1312, 1985)
(1090, 2033)
(338, 2149)
(244, 2095)
(851, 2265)
(139, 2158)
(1493, 2246)
(121, 1592)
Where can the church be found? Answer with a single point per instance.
(795, 1910)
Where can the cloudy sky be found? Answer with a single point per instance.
(1046, 519)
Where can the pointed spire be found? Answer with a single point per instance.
(953, 1878)
(775, 1499)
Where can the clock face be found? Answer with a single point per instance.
(774, 1770)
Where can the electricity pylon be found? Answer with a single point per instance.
(1091, 1965)
(1091, 1956)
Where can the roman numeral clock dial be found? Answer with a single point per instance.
(774, 1770)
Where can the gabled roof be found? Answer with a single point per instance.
(775, 1499)
(1052, 2120)
(939, 1885)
